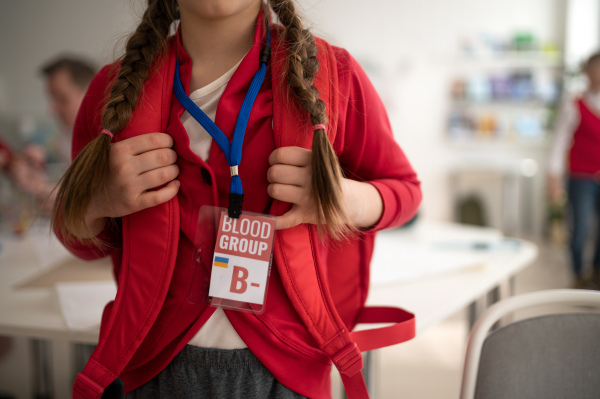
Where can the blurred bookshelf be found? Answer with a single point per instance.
(504, 92)
(504, 96)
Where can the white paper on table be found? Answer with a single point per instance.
(409, 262)
(82, 302)
(429, 250)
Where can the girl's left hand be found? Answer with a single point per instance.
(291, 181)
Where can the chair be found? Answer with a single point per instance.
(548, 357)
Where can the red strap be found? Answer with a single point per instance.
(349, 362)
(403, 330)
(144, 277)
(355, 386)
(295, 251)
(366, 340)
(86, 388)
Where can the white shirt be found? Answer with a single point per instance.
(566, 124)
(217, 332)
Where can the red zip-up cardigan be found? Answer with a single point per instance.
(367, 151)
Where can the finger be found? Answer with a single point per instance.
(157, 177)
(291, 156)
(286, 174)
(146, 142)
(153, 159)
(289, 219)
(153, 198)
(287, 193)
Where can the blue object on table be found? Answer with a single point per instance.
(502, 244)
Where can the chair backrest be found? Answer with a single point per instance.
(552, 356)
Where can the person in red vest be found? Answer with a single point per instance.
(131, 182)
(576, 154)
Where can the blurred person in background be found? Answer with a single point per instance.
(575, 159)
(67, 79)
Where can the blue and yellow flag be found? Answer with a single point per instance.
(221, 262)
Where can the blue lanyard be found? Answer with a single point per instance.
(233, 150)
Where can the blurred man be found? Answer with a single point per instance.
(67, 79)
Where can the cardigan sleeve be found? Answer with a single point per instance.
(87, 126)
(567, 122)
(366, 146)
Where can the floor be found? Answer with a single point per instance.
(430, 366)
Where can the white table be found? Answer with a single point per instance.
(29, 308)
(440, 292)
(435, 295)
(33, 310)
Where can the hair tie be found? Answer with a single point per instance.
(107, 132)
(319, 126)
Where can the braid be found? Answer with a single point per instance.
(326, 171)
(89, 172)
(148, 41)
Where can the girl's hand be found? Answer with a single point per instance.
(137, 166)
(291, 181)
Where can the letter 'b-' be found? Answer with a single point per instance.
(240, 274)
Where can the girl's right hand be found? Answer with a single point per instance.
(138, 165)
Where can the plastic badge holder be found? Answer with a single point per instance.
(232, 259)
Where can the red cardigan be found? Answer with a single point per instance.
(367, 151)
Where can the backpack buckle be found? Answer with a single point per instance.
(349, 360)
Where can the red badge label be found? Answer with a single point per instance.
(242, 258)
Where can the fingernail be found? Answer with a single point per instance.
(177, 183)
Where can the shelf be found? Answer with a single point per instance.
(503, 104)
(513, 59)
(493, 143)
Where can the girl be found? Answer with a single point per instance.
(144, 167)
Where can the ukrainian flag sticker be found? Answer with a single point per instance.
(221, 262)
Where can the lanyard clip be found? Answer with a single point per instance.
(265, 55)
(235, 205)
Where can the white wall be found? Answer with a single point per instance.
(35, 31)
(582, 31)
(412, 45)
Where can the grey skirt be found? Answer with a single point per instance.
(213, 373)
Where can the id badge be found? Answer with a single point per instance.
(241, 262)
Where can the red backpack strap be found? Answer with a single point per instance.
(296, 250)
(145, 276)
(304, 280)
(402, 330)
